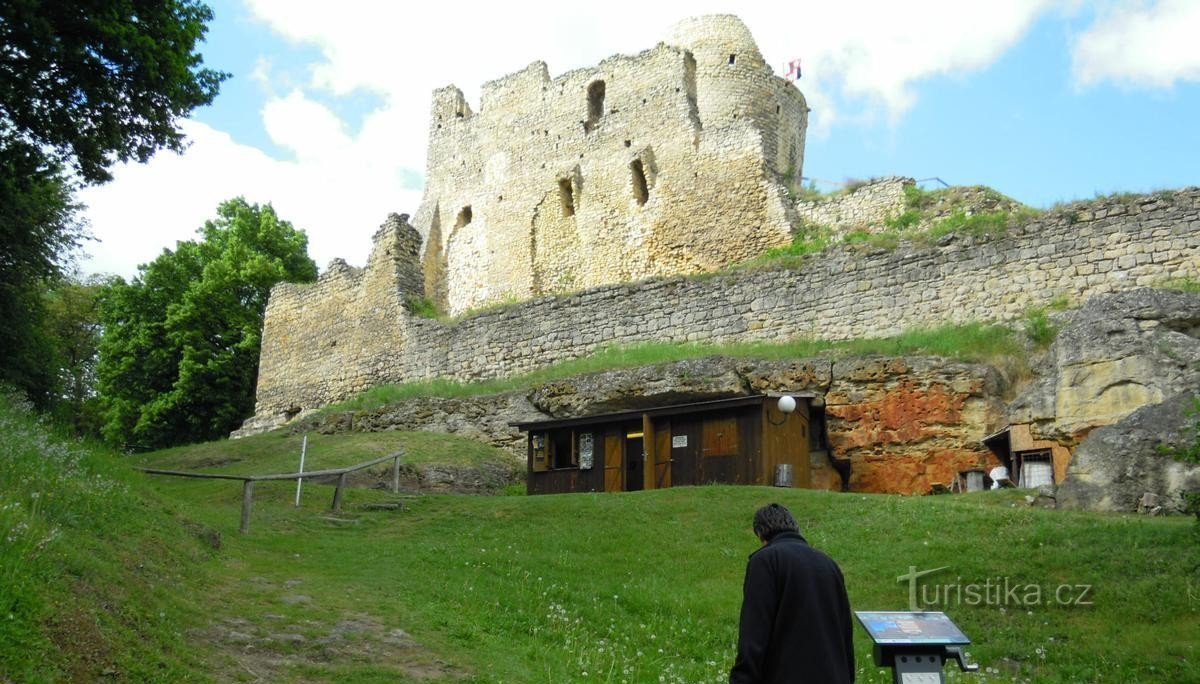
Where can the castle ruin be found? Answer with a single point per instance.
(674, 160)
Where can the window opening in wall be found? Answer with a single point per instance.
(464, 217)
(641, 192)
(566, 195)
(561, 453)
(777, 108)
(595, 95)
(732, 59)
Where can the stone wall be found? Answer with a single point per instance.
(669, 161)
(862, 208)
(350, 331)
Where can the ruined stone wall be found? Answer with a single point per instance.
(340, 335)
(669, 161)
(324, 342)
(866, 206)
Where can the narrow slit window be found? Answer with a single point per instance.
(595, 95)
(566, 195)
(641, 192)
(732, 59)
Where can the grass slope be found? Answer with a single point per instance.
(645, 586)
(95, 569)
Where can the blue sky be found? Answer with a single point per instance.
(326, 113)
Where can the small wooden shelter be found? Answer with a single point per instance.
(743, 440)
(1031, 462)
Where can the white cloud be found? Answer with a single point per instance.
(148, 207)
(860, 60)
(1140, 44)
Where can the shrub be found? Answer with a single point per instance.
(1038, 327)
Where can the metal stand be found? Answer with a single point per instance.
(912, 665)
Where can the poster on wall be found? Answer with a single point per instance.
(585, 451)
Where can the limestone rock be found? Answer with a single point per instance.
(1113, 355)
(907, 424)
(713, 377)
(1116, 465)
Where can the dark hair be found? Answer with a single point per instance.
(772, 519)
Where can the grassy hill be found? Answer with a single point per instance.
(97, 572)
(632, 587)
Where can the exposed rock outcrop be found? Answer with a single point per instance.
(1113, 355)
(907, 424)
(1118, 463)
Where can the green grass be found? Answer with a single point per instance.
(95, 569)
(102, 580)
(1039, 328)
(279, 452)
(645, 587)
(970, 342)
(423, 307)
(1181, 284)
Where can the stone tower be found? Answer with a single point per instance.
(673, 160)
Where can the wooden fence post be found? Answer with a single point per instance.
(396, 475)
(247, 502)
(337, 493)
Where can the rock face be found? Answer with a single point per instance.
(712, 377)
(1114, 354)
(1117, 464)
(907, 424)
(483, 418)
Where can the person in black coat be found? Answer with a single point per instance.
(795, 622)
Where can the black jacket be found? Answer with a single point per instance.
(795, 623)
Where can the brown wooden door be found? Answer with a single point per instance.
(662, 456)
(614, 462)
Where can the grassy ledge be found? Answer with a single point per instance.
(970, 342)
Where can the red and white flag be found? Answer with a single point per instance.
(793, 70)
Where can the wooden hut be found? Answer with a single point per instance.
(743, 440)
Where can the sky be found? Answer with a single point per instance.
(326, 113)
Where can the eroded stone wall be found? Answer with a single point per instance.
(350, 330)
(668, 161)
(865, 207)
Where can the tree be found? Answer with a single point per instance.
(94, 82)
(179, 353)
(83, 85)
(72, 331)
(39, 229)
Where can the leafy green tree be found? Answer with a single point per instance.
(39, 228)
(83, 85)
(179, 353)
(94, 82)
(72, 331)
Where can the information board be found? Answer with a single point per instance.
(925, 628)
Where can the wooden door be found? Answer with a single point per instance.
(614, 462)
(662, 456)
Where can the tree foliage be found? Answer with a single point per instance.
(83, 85)
(40, 228)
(101, 81)
(179, 355)
(72, 328)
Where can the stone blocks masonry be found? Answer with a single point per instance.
(674, 160)
(353, 330)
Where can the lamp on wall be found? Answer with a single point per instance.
(787, 404)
